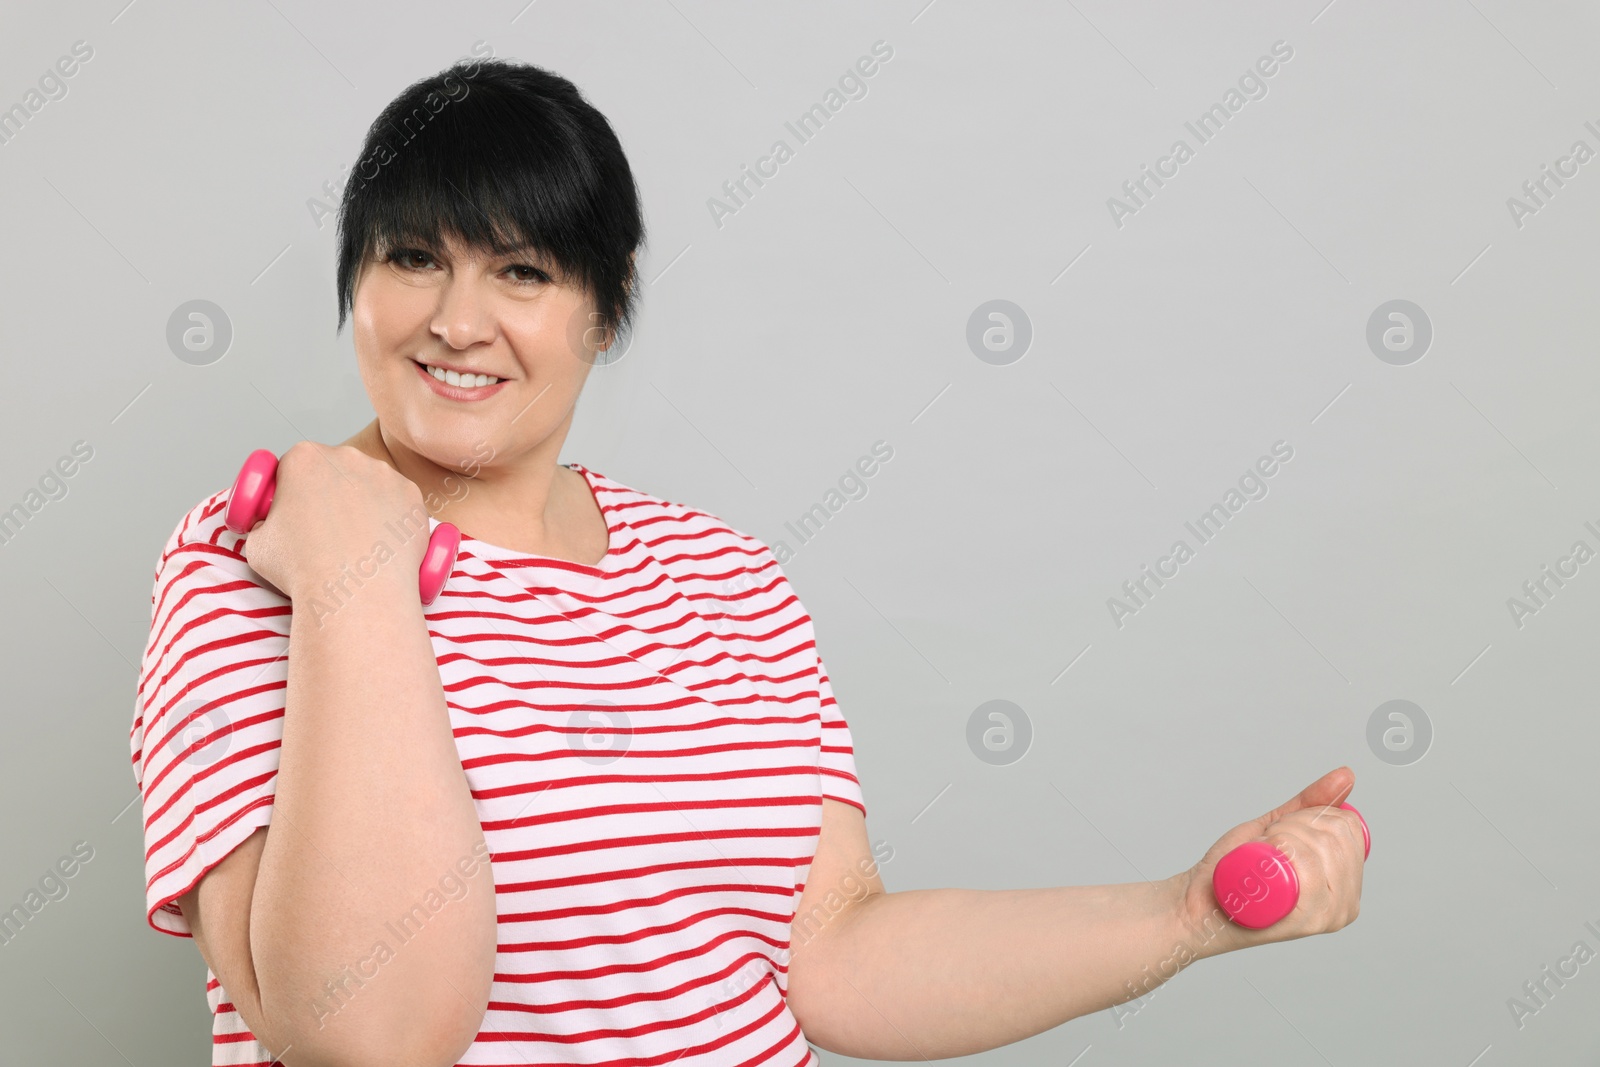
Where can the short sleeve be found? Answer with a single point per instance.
(838, 760)
(208, 717)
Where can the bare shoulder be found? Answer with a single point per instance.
(362, 441)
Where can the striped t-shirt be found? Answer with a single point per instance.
(648, 741)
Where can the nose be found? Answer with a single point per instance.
(462, 318)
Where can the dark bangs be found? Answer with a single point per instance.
(499, 155)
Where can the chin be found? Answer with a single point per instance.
(461, 447)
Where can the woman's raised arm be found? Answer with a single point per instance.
(372, 809)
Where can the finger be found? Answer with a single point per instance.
(1346, 814)
(1366, 833)
(1329, 790)
(1296, 848)
(1353, 826)
(1336, 822)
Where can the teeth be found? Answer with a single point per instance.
(468, 381)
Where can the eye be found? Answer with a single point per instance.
(402, 257)
(538, 276)
(521, 273)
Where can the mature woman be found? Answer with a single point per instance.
(596, 803)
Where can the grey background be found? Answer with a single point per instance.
(830, 312)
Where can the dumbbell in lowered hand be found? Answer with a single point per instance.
(1256, 885)
(251, 498)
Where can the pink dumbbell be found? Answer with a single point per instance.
(252, 496)
(1257, 885)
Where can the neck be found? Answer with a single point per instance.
(516, 502)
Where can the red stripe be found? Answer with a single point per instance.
(601, 810)
(688, 952)
(549, 1007)
(636, 840)
(637, 731)
(628, 874)
(607, 779)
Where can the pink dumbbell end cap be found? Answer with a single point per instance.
(252, 491)
(1256, 885)
(438, 561)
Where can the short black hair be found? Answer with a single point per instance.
(499, 154)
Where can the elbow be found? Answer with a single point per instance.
(437, 1037)
(421, 1007)
(448, 1041)
(415, 1048)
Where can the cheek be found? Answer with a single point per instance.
(389, 328)
(385, 315)
(567, 336)
(382, 341)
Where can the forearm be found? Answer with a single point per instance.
(939, 973)
(373, 922)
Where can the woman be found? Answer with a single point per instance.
(589, 806)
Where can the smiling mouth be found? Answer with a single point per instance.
(462, 381)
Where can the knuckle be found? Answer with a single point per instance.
(299, 456)
(1335, 837)
(1294, 849)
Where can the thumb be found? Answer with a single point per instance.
(1329, 790)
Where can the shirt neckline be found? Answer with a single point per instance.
(485, 550)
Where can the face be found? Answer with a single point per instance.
(511, 317)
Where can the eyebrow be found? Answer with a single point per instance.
(519, 249)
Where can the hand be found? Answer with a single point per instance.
(1324, 843)
(338, 515)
